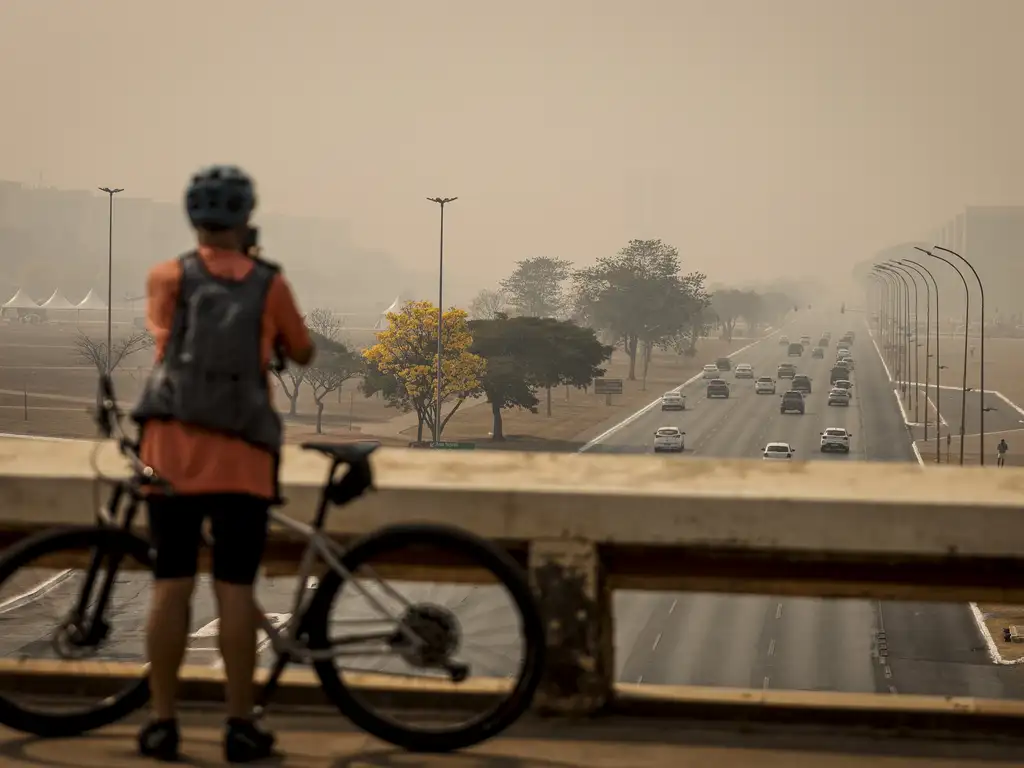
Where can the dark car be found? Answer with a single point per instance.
(838, 373)
(846, 339)
(823, 341)
(802, 384)
(718, 388)
(818, 352)
(795, 350)
(792, 401)
(786, 371)
(724, 364)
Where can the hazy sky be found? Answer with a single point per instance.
(759, 136)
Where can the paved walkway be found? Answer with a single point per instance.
(328, 742)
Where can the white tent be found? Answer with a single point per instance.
(91, 301)
(382, 323)
(21, 300)
(57, 301)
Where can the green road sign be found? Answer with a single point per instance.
(445, 445)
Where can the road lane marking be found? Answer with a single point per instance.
(672, 607)
(767, 681)
(656, 641)
(778, 611)
(771, 647)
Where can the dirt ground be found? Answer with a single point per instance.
(46, 389)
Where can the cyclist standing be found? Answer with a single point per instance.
(1001, 450)
(209, 428)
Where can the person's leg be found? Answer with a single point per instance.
(175, 526)
(239, 528)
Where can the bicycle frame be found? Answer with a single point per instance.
(121, 510)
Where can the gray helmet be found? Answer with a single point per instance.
(220, 197)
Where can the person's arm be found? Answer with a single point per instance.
(162, 286)
(292, 336)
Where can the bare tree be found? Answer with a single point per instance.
(488, 305)
(93, 351)
(335, 364)
(321, 322)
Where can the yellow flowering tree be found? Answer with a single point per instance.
(402, 365)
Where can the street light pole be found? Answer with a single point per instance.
(892, 310)
(938, 358)
(927, 342)
(441, 201)
(110, 271)
(905, 336)
(967, 323)
(981, 291)
(915, 362)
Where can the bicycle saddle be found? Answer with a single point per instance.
(347, 453)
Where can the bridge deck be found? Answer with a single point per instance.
(321, 740)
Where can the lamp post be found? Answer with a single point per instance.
(110, 270)
(442, 202)
(890, 319)
(967, 315)
(904, 314)
(915, 362)
(899, 337)
(981, 291)
(938, 364)
(927, 340)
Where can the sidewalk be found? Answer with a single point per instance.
(326, 741)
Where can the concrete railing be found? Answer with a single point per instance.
(585, 525)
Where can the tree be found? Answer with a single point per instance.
(534, 288)
(322, 323)
(90, 350)
(334, 365)
(730, 305)
(639, 296)
(488, 305)
(406, 353)
(525, 353)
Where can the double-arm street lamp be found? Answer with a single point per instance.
(442, 202)
(110, 270)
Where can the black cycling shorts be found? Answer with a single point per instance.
(238, 524)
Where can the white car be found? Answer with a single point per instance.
(839, 396)
(835, 439)
(711, 371)
(668, 439)
(764, 386)
(744, 371)
(776, 451)
(673, 401)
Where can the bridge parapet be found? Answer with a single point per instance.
(585, 525)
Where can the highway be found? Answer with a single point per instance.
(680, 638)
(803, 644)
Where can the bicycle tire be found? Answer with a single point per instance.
(109, 709)
(483, 553)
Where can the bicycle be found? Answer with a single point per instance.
(424, 636)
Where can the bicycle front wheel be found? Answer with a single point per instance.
(379, 631)
(60, 599)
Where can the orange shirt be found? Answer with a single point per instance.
(195, 460)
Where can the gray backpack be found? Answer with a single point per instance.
(211, 374)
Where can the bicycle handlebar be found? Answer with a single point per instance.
(108, 418)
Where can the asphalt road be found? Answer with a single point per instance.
(678, 638)
(804, 644)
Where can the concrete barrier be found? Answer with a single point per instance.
(587, 524)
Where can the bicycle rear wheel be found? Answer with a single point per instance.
(45, 582)
(488, 584)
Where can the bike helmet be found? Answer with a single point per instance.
(220, 197)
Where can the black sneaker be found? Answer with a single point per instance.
(160, 740)
(245, 742)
